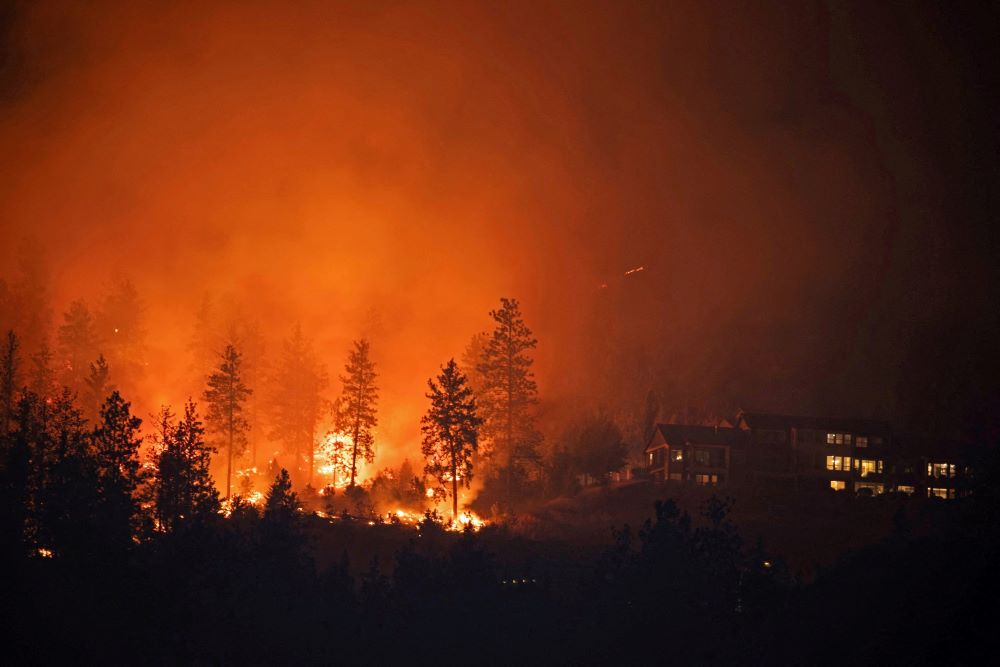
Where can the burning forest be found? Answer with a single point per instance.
(562, 333)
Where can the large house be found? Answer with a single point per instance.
(854, 455)
(698, 454)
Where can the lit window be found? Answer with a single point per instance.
(868, 466)
(838, 462)
(837, 485)
(941, 469)
(706, 480)
(908, 490)
(838, 438)
(947, 494)
(861, 441)
(875, 488)
(677, 455)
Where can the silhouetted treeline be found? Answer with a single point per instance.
(110, 559)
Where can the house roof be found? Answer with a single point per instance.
(681, 434)
(763, 420)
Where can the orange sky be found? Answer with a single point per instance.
(321, 161)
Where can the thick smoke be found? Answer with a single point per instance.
(792, 180)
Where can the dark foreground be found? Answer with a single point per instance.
(681, 589)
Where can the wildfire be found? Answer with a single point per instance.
(254, 498)
(466, 520)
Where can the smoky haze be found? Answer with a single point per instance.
(806, 189)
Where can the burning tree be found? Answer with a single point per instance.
(451, 431)
(297, 403)
(509, 390)
(226, 396)
(335, 456)
(358, 402)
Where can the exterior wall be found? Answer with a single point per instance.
(851, 455)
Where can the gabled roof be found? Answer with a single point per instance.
(763, 420)
(676, 435)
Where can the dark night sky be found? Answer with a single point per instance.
(811, 188)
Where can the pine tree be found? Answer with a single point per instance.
(77, 339)
(121, 333)
(42, 379)
(97, 386)
(298, 403)
(226, 397)
(66, 512)
(116, 443)
(182, 485)
(359, 401)
(336, 451)
(9, 379)
(509, 390)
(451, 431)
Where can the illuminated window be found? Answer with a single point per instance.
(676, 476)
(677, 455)
(875, 488)
(838, 462)
(837, 485)
(838, 438)
(861, 441)
(868, 466)
(947, 494)
(650, 458)
(940, 469)
(706, 480)
(908, 490)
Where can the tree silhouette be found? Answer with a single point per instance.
(120, 324)
(226, 397)
(282, 541)
(116, 443)
(600, 448)
(509, 390)
(42, 377)
(65, 489)
(358, 403)
(451, 431)
(182, 486)
(97, 386)
(297, 403)
(9, 378)
(77, 339)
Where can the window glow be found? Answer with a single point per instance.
(838, 462)
(940, 469)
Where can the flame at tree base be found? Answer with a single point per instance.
(466, 520)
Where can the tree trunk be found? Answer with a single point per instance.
(229, 465)
(354, 455)
(454, 487)
(510, 426)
